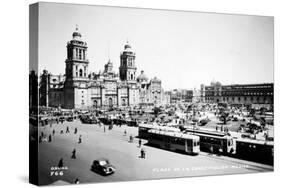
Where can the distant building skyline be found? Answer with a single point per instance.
(183, 49)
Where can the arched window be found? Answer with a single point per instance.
(80, 54)
(80, 72)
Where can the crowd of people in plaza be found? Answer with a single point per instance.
(218, 118)
(57, 124)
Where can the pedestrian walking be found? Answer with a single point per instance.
(211, 150)
(50, 138)
(110, 127)
(131, 138)
(142, 153)
(220, 150)
(54, 132)
(67, 129)
(60, 165)
(73, 156)
(80, 139)
(139, 143)
(75, 130)
(76, 181)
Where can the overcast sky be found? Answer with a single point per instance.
(183, 49)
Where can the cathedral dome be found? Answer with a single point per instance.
(155, 80)
(109, 63)
(76, 34)
(127, 47)
(142, 77)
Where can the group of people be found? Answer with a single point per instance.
(73, 153)
(222, 128)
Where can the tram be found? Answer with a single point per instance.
(144, 128)
(174, 141)
(255, 150)
(214, 142)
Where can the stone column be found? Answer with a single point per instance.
(74, 54)
(128, 93)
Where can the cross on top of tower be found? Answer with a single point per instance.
(127, 45)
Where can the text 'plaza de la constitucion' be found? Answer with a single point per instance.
(79, 88)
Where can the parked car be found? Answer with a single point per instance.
(69, 118)
(103, 167)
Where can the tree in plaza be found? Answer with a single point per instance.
(156, 111)
(171, 112)
(252, 112)
(224, 117)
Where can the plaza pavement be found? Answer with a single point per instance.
(125, 156)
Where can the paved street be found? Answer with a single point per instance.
(125, 156)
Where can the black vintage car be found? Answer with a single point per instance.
(103, 167)
(88, 119)
(69, 118)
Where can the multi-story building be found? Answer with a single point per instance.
(187, 95)
(196, 95)
(239, 94)
(150, 91)
(181, 95)
(44, 89)
(33, 89)
(79, 88)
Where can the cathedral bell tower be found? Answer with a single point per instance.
(76, 73)
(127, 69)
(76, 68)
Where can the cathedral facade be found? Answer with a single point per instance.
(79, 88)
